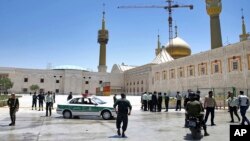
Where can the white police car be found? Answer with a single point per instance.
(86, 106)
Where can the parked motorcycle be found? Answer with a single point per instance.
(195, 127)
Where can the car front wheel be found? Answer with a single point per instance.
(67, 114)
(106, 115)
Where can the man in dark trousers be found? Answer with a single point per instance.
(34, 100)
(124, 109)
(244, 105)
(178, 101)
(40, 100)
(13, 104)
(154, 101)
(166, 98)
(159, 104)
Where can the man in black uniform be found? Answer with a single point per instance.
(40, 99)
(34, 100)
(13, 104)
(154, 101)
(124, 109)
(159, 104)
(166, 97)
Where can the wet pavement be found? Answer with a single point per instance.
(32, 125)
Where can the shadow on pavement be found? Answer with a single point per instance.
(116, 136)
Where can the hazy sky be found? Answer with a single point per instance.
(34, 33)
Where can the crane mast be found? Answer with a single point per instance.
(169, 8)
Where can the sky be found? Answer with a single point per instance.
(35, 33)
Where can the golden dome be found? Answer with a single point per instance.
(179, 48)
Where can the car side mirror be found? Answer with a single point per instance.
(95, 104)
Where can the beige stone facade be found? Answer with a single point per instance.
(218, 68)
(224, 67)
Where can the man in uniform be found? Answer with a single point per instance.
(145, 101)
(40, 101)
(159, 104)
(166, 97)
(124, 109)
(194, 108)
(13, 104)
(34, 100)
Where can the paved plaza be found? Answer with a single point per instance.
(32, 125)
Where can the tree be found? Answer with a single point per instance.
(34, 87)
(5, 84)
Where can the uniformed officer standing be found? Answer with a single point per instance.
(124, 109)
(154, 101)
(159, 104)
(49, 100)
(166, 97)
(244, 105)
(40, 101)
(13, 104)
(34, 100)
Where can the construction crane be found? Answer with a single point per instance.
(169, 8)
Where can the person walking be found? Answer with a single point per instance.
(233, 106)
(178, 101)
(124, 109)
(159, 104)
(69, 96)
(34, 100)
(13, 104)
(48, 100)
(244, 105)
(166, 98)
(210, 105)
(40, 101)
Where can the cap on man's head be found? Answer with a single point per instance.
(178, 92)
(241, 92)
(198, 92)
(210, 92)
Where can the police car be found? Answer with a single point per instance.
(86, 106)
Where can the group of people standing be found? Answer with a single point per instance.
(153, 102)
(48, 98)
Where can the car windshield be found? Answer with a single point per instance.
(98, 101)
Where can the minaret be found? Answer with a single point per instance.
(158, 49)
(103, 37)
(213, 10)
(244, 36)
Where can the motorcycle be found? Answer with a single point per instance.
(195, 127)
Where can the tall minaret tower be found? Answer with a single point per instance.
(103, 37)
(244, 36)
(213, 10)
(158, 49)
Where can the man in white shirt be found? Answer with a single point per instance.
(49, 100)
(244, 104)
(233, 106)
